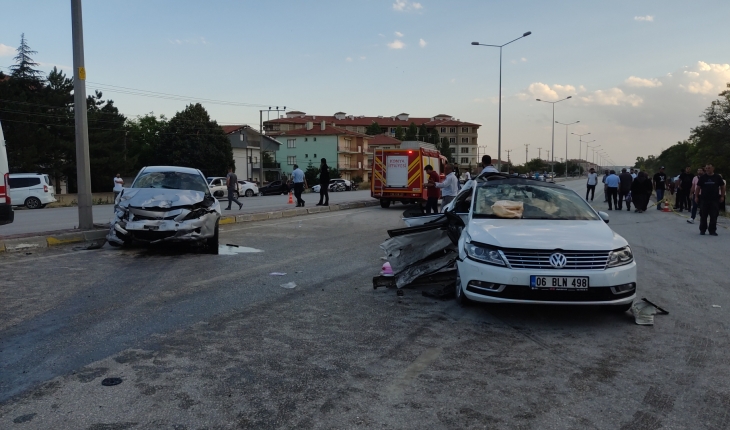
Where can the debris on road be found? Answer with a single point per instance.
(645, 310)
(289, 285)
(277, 274)
(716, 306)
(235, 249)
(109, 382)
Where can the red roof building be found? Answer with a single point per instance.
(462, 135)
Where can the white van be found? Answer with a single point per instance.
(32, 190)
(6, 210)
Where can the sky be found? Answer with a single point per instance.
(640, 73)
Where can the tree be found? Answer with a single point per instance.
(191, 139)
(374, 129)
(445, 148)
(24, 67)
(422, 133)
(412, 132)
(399, 134)
(334, 173)
(536, 165)
(311, 173)
(433, 137)
(141, 138)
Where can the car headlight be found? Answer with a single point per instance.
(484, 254)
(620, 257)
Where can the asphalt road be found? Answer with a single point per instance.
(203, 341)
(53, 219)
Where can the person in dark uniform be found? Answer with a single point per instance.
(711, 190)
(324, 183)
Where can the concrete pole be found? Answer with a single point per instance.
(83, 171)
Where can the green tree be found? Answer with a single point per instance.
(399, 134)
(374, 129)
(412, 132)
(422, 133)
(311, 174)
(445, 148)
(433, 137)
(191, 139)
(711, 139)
(536, 165)
(142, 137)
(24, 67)
(106, 142)
(334, 173)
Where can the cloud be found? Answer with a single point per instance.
(406, 5)
(523, 59)
(399, 34)
(422, 43)
(648, 18)
(362, 57)
(538, 90)
(348, 59)
(478, 100)
(197, 41)
(453, 80)
(633, 81)
(381, 35)
(612, 97)
(6, 51)
(396, 44)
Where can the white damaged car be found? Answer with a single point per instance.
(526, 241)
(166, 204)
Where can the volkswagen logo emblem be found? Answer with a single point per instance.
(558, 260)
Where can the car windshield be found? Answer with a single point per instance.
(538, 202)
(171, 181)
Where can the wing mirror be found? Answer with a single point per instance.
(604, 216)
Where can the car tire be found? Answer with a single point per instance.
(33, 203)
(212, 243)
(385, 204)
(249, 193)
(461, 298)
(619, 309)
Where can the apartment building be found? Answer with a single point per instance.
(462, 135)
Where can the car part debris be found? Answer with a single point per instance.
(716, 306)
(644, 312)
(109, 382)
(277, 274)
(386, 270)
(289, 285)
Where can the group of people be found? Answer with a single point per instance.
(704, 190)
(449, 187)
(300, 184)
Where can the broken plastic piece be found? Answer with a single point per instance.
(386, 270)
(289, 285)
(716, 306)
(277, 274)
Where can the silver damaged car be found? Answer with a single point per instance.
(166, 204)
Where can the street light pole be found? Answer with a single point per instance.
(526, 145)
(566, 142)
(499, 132)
(552, 160)
(590, 141)
(580, 145)
(83, 169)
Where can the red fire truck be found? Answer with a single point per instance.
(398, 174)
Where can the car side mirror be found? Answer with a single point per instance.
(604, 216)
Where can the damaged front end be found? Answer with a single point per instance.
(155, 216)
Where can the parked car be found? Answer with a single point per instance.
(348, 184)
(6, 209)
(32, 190)
(274, 187)
(248, 189)
(551, 248)
(166, 203)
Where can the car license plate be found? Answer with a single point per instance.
(559, 282)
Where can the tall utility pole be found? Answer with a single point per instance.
(566, 142)
(499, 133)
(552, 146)
(508, 151)
(83, 169)
(580, 144)
(548, 157)
(539, 153)
(261, 116)
(526, 145)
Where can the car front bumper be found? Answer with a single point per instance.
(494, 284)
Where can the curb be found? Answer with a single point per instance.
(47, 241)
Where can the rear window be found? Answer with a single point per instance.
(23, 182)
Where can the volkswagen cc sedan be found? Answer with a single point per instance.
(526, 241)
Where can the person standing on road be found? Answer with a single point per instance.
(624, 189)
(449, 187)
(487, 166)
(432, 194)
(634, 174)
(118, 186)
(641, 191)
(232, 185)
(591, 183)
(684, 190)
(605, 186)
(300, 183)
(711, 189)
(612, 183)
(660, 183)
(324, 183)
(694, 193)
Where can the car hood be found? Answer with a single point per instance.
(149, 198)
(545, 234)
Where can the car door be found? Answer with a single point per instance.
(36, 188)
(19, 190)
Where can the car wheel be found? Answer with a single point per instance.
(212, 243)
(461, 299)
(33, 203)
(249, 193)
(385, 204)
(618, 309)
